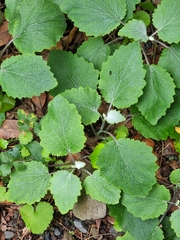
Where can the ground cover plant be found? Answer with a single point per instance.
(118, 72)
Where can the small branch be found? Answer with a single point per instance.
(86, 171)
(4, 49)
(161, 43)
(147, 61)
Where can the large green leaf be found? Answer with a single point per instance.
(29, 185)
(87, 102)
(165, 125)
(135, 227)
(170, 60)
(95, 17)
(32, 30)
(175, 218)
(94, 50)
(155, 203)
(152, 103)
(65, 188)
(121, 74)
(25, 76)
(135, 29)
(166, 19)
(129, 165)
(62, 131)
(71, 71)
(98, 188)
(38, 219)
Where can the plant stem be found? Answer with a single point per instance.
(4, 49)
(147, 61)
(161, 43)
(86, 171)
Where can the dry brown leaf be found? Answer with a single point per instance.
(9, 129)
(4, 34)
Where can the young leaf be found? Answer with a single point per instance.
(152, 103)
(131, 6)
(142, 15)
(94, 50)
(35, 150)
(30, 185)
(94, 155)
(175, 218)
(165, 125)
(71, 71)
(87, 102)
(3, 194)
(29, 71)
(155, 203)
(6, 163)
(65, 188)
(119, 164)
(32, 30)
(98, 188)
(170, 60)
(175, 177)
(65, 130)
(166, 19)
(121, 74)
(25, 137)
(135, 29)
(38, 219)
(114, 116)
(86, 14)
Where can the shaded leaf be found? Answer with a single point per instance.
(131, 6)
(6, 163)
(175, 218)
(175, 177)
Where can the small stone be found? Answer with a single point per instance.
(57, 232)
(8, 234)
(79, 224)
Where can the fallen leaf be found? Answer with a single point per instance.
(9, 129)
(4, 34)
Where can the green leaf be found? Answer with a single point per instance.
(94, 155)
(166, 19)
(3, 194)
(117, 84)
(24, 152)
(142, 15)
(71, 71)
(95, 17)
(114, 116)
(38, 219)
(131, 6)
(175, 218)
(94, 50)
(87, 102)
(169, 233)
(2, 118)
(155, 203)
(6, 103)
(165, 125)
(32, 30)
(152, 104)
(65, 130)
(6, 163)
(118, 163)
(35, 150)
(65, 188)
(20, 70)
(25, 137)
(30, 185)
(170, 60)
(135, 29)
(3, 143)
(98, 188)
(139, 229)
(175, 177)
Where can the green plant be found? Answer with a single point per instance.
(124, 168)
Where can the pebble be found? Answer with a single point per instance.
(8, 234)
(57, 232)
(78, 224)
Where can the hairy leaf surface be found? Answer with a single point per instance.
(131, 5)
(71, 71)
(25, 76)
(65, 188)
(121, 74)
(94, 50)
(32, 30)
(175, 218)
(100, 189)
(129, 165)
(62, 124)
(38, 219)
(135, 29)
(155, 203)
(170, 60)
(30, 185)
(87, 102)
(153, 103)
(95, 17)
(166, 19)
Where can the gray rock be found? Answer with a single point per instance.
(87, 208)
(8, 234)
(57, 232)
(79, 224)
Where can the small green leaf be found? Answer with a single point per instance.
(114, 116)
(20, 70)
(86, 14)
(131, 6)
(35, 150)
(6, 163)
(175, 177)
(32, 30)
(38, 219)
(87, 102)
(30, 185)
(142, 15)
(65, 130)
(175, 218)
(65, 188)
(6, 103)
(94, 50)
(24, 152)
(135, 29)
(25, 137)
(74, 71)
(3, 194)
(3, 143)
(2, 118)
(117, 84)
(155, 203)
(94, 155)
(166, 18)
(152, 104)
(118, 163)
(98, 188)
